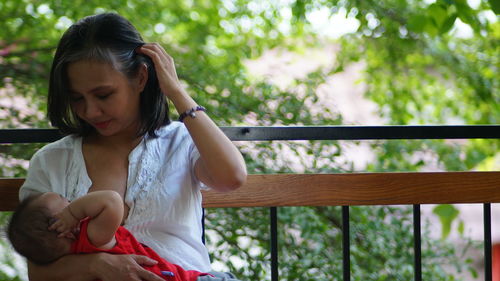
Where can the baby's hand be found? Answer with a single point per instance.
(65, 223)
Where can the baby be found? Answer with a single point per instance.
(47, 226)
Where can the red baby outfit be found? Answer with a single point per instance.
(127, 244)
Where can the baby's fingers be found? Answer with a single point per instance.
(54, 225)
(71, 235)
(59, 226)
(66, 234)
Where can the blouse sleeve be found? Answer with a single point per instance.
(46, 173)
(194, 155)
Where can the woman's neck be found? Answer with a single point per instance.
(117, 142)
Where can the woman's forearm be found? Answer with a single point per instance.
(223, 164)
(70, 268)
(88, 267)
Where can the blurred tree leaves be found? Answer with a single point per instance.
(447, 214)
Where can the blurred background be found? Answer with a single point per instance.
(302, 62)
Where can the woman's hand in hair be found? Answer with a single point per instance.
(165, 68)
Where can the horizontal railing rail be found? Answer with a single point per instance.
(277, 190)
(356, 189)
(302, 133)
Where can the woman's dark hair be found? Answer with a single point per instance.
(112, 39)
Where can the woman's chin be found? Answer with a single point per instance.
(106, 132)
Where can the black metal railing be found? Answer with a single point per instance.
(292, 133)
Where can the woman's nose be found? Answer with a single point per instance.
(92, 109)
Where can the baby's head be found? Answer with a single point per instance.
(28, 229)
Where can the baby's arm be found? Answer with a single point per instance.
(105, 209)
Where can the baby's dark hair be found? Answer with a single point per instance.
(29, 234)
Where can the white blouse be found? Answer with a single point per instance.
(163, 193)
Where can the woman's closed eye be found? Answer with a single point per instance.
(104, 96)
(79, 98)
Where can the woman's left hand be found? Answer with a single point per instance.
(165, 68)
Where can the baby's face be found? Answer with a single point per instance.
(53, 201)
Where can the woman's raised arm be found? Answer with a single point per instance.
(221, 166)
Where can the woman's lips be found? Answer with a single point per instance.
(101, 125)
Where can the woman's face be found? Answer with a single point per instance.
(105, 98)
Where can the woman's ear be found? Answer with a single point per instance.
(142, 77)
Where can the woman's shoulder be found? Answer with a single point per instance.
(174, 129)
(65, 144)
(49, 167)
(172, 137)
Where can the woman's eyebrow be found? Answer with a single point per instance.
(96, 89)
(99, 88)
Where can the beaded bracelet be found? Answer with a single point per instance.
(191, 112)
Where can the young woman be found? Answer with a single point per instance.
(108, 92)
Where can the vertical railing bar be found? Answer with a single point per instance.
(417, 243)
(487, 241)
(203, 225)
(274, 243)
(346, 244)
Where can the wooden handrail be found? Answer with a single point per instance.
(9, 188)
(337, 189)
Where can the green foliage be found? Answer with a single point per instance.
(447, 214)
(415, 69)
